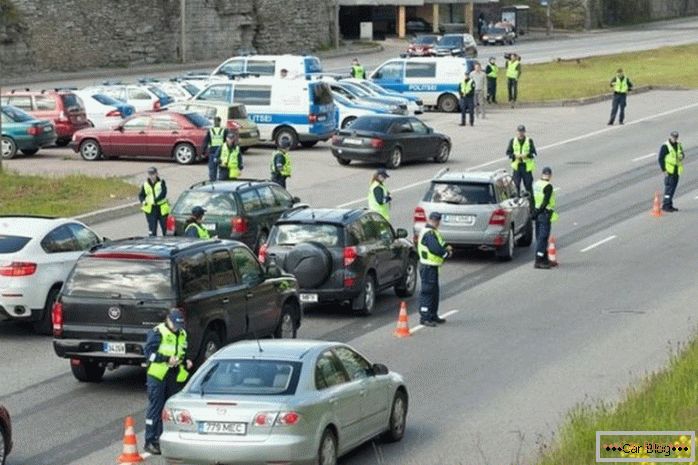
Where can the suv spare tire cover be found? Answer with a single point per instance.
(310, 263)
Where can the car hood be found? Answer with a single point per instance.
(94, 131)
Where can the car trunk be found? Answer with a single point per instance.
(463, 218)
(74, 109)
(357, 139)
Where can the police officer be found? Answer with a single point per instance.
(467, 100)
(545, 214)
(432, 250)
(215, 137)
(491, 71)
(378, 196)
(621, 86)
(671, 162)
(357, 71)
(168, 365)
(513, 69)
(194, 227)
(521, 151)
(229, 158)
(153, 198)
(281, 163)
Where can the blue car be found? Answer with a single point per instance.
(21, 131)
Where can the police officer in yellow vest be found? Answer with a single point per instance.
(229, 158)
(513, 70)
(432, 251)
(545, 214)
(378, 196)
(194, 228)
(153, 198)
(521, 150)
(491, 71)
(621, 85)
(168, 368)
(280, 166)
(357, 71)
(215, 137)
(466, 90)
(671, 157)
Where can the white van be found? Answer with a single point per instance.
(300, 110)
(268, 65)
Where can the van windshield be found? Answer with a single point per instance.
(322, 95)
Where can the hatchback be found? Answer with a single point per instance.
(21, 131)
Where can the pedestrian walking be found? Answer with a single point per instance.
(467, 100)
(153, 199)
(229, 158)
(479, 79)
(357, 71)
(671, 156)
(545, 214)
(378, 195)
(621, 86)
(215, 137)
(522, 151)
(281, 163)
(491, 70)
(194, 226)
(432, 250)
(513, 67)
(168, 368)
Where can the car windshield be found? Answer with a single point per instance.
(107, 100)
(295, 233)
(215, 203)
(373, 86)
(460, 193)
(425, 40)
(340, 98)
(127, 279)
(243, 377)
(12, 244)
(449, 41)
(191, 88)
(17, 115)
(197, 119)
(371, 123)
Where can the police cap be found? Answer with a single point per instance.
(547, 170)
(521, 128)
(435, 216)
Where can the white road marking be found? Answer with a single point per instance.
(596, 244)
(644, 157)
(416, 328)
(146, 455)
(445, 315)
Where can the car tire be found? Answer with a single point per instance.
(398, 418)
(90, 150)
(348, 121)
(210, 344)
(395, 159)
(447, 103)
(343, 161)
(44, 325)
(288, 323)
(505, 252)
(408, 284)
(62, 142)
(365, 302)
(327, 452)
(184, 153)
(527, 238)
(9, 148)
(309, 143)
(30, 152)
(444, 153)
(4, 444)
(87, 372)
(286, 133)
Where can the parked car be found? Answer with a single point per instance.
(362, 98)
(5, 434)
(243, 210)
(498, 35)
(348, 110)
(21, 131)
(180, 91)
(422, 45)
(479, 210)
(368, 95)
(162, 134)
(143, 97)
(104, 111)
(62, 107)
(390, 140)
(36, 256)
(295, 402)
(414, 104)
(120, 290)
(418, 25)
(342, 255)
(461, 45)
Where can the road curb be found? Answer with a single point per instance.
(108, 214)
(589, 100)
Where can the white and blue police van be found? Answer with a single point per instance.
(347, 110)
(297, 109)
(268, 65)
(434, 80)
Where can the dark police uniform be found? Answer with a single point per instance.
(491, 70)
(466, 91)
(280, 167)
(621, 86)
(671, 157)
(153, 198)
(432, 251)
(215, 137)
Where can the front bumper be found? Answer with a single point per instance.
(91, 350)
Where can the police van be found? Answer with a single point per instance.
(435, 80)
(297, 109)
(268, 65)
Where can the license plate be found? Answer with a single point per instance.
(351, 141)
(467, 220)
(308, 298)
(219, 427)
(209, 226)
(115, 347)
(322, 118)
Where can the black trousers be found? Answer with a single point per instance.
(467, 105)
(154, 219)
(491, 90)
(542, 235)
(521, 174)
(618, 103)
(670, 183)
(429, 293)
(280, 180)
(158, 393)
(513, 89)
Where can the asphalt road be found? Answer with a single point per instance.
(522, 346)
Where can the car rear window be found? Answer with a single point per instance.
(322, 94)
(329, 235)
(371, 123)
(17, 115)
(237, 112)
(197, 119)
(215, 203)
(425, 40)
(12, 244)
(461, 193)
(72, 102)
(191, 88)
(158, 92)
(248, 378)
(127, 279)
(107, 100)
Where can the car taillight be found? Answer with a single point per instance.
(498, 218)
(18, 269)
(377, 143)
(238, 224)
(35, 130)
(114, 113)
(268, 419)
(167, 416)
(178, 416)
(170, 224)
(156, 105)
(262, 255)
(312, 118)
(350, 255)
(349, 282)
(287, 418)
(419, 216)
(57, 318)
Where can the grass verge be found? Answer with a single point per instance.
(664, 401)
(61, 196)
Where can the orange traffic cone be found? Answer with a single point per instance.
(403, 328)
(656, 210)
(552, 251)
(130, 453)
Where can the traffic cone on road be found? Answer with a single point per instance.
(129, 454)
(403, 328)
(656, 209)
(552, 251)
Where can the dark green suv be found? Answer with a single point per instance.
(243, 210)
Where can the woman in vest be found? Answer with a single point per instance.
(378, 196)
(153, 199)
(193, 227)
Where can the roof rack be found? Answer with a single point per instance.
(63, 89)
(26, 89)
(112, 83)
(201, 183)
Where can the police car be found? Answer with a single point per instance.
(347, 110)
(414, 103)
(268, 65)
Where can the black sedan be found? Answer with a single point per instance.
(390, 140)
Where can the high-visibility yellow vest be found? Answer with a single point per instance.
(383, 209)
(425, 256)
(539, 195)
(621, 85)
(359, 72)
(216, 137)
(493, 71)
(171, 345)
(512, 71)
(286, 169)
(200, 230)
(229, 159)
(673, 162)
(522, 151)
(151, 193)
(466, 86)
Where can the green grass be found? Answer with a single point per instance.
(668, 66)
(61, 196)
(664, 401)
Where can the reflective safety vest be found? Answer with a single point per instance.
(466, 87)
(172, 344)
(200, 230)
(216, 137)
(383, 209)
(621, 85)
(151, 193)
(539, 195)
(425, 256)
(359, 72)
(286, 169)
(493, 71)
(229, 159)
(522, 151)
(673, 162)
(512, 71)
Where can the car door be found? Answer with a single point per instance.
(263, 312)
(521, 206)
(425, 139)
(229, 292)
(391, 76)
(62, 251)
(404, 136)
(131, 140)
(272, 207)
(163, 131)
(376, 247)
(388, 239)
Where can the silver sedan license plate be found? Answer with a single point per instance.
(308, 298)
(466, 220)
(115, 347)
(220, 427)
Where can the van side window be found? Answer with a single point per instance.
(420, 70)
(392, 70)
(263, 68)
(232, 67)
(216, 92)
(193, 274)
(252, 95)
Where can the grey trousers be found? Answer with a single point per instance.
(480, 102)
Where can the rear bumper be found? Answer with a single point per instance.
(66, 131)
(489, 239)
(378, 156)
(92, 350)
(30, 143)
(331, 295)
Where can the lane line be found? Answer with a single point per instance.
(596, 244)
(146, 455)
(416, 328)
(644, 157)
(445, 315)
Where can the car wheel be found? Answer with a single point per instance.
(343, 161)
(62, 142)
(348, 121)
(87, 372)
(447, 103)
(44, 325)
(395, 159)
(309, 143)
(286, 133)
(184, 154)
(366, 301)
(327, 453)
(3, 447)
(29, 151)
(210, 344)
(288, 327)
(527, 238)
(9, 148)
(90, 150)
(408, 284)
(398, 418)
(506, 251)
(444, 153)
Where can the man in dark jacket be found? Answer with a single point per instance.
(432, 250)
(621, 86)
(522, 151)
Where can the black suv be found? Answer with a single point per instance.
(243, 210)
(342, 255)
(120, 290)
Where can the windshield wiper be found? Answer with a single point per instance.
(207, 376)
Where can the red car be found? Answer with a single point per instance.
(62, 107)
(422, 45)
(5, 434)
(158, 134)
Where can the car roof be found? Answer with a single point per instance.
(470, 176)
(228, 186)
(286, 349)
(322, 215)
(32, 226)
(155, 247)
(39, 92)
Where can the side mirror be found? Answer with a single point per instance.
(402, 233)
(296, 200)
(379, 369)
(105, 239)
(403, 55)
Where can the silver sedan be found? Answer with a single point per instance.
(282, 401)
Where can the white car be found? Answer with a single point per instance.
(414, 104)
(104, 111)
(36, 256)
(143, 97)
(178, 90)
(348, 110)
